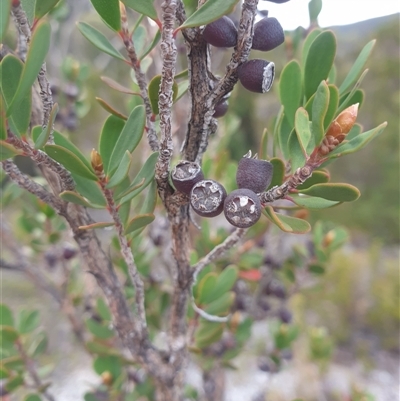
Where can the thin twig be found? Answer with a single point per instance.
(126, 252)
(30, 367)
(218, 251)
(141, 79)
(41, 158)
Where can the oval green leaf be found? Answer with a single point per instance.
(38, 48)
(206, 288)
(222, 305)
(118, 87)
(208, 333)
(73, 197)
(98, 330)
(333, 105)
(108, 138)
(297, 153)
(5, 7)
(70, 161)
(287, 223)
(225, 282)
(314, 8)
(318, 177)
(99, 40)
(10, 75)
(109, 12)
(311, 202)
(43, 7)
(319, 109)
(153, 90)
(90, 190)
(138, 222)
(319, 61)
(357, 67)
(32, 397)
(279, 172)
(290, 89)
(145, 7)
(8, 151)
(111, 109)
(28, 321)
(345, 100)
(302, 126)
(6, 316)
(121, 172)
(333, 192)
(45, 134)
(147, 173)
(209, 12)
(130, 136)
(307, 43)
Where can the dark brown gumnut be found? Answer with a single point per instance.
(185, 174)
(268, 34)
(69, 252)
(221, 33)
(285, 315)
(242, 208)
(254, 174)
(207, 198)
(257, 75)
(276, 289)
(220, 109)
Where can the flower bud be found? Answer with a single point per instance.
(343, 123)
(97, 162)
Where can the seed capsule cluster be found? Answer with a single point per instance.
(208, 198)
(255, 75)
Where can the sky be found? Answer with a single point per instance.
(334, 12)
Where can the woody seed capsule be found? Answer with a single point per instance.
(242, 208)
(221, 33)
(257, 75)
(207, 198)
(268, 34)
(185, 174)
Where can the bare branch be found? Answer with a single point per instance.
(141, 80)
(218, 251)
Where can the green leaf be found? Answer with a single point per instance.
(10, 75)
(147, 173)
(29, 8)
(316, 268)
(32, 397)
(297, 153)
(302, 126)
(145, 7)
(290, 89)
(3, 127)
(98, 330)
(139, 38)
(357, 67)
(314, 8)
(358, 142)
(107, 107)
(345, 100)
(209, 12)
(8, 151)
(109, 12)
(225, 281)
(333, 105)
(103, 309)
(287, 223)
(13, 383)
(108, 363)
(70, 161)
(121, 172)
(38, 48)
(39, 345)
(356, 97)
(109, 136)
(73, 197)
(151, 46)
(222, 305)
(28, 321)
(307, 43)
(333, 192)
(6, 316)
(354, 132)
(279, 172)
(118, 87)
(206, 288)
(319, 109)
(45, 134)
(101, 224)
(311, 202)
(208, 333)
(43, 7)
(99, 40)
(138, 222)
(154, 88)
(130, 136)
(318, 177)
(285, 131)
(90, 190)
(319, 61)
(7, 336)
(5, 7)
